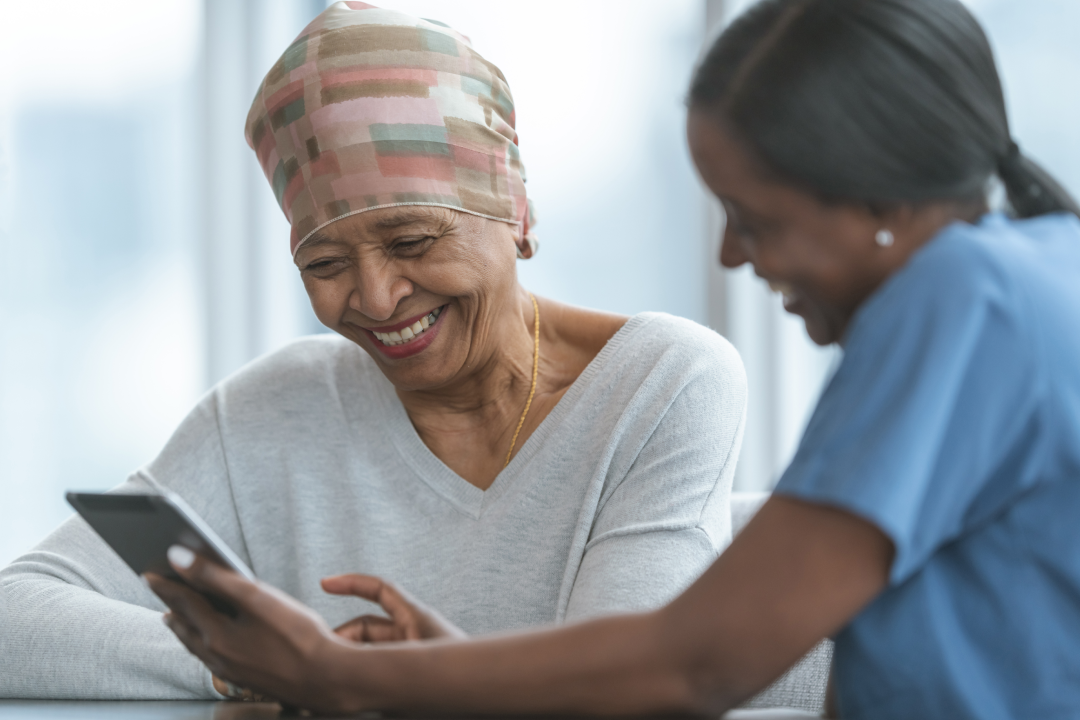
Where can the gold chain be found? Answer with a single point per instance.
(536, 364)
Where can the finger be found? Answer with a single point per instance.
(223, 687)
(363, 619)
(188, 634)
(236, 692)
(364, 586)
(210, 577)
(369, 628)
(181, 599)
(395, 601)
(247, 596)
(194, 641)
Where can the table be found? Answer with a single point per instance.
(172, 710)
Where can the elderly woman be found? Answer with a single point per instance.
(508, 459)
(928, 519)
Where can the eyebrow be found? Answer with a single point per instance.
(398, 219)
(408, 217)
(317, 239)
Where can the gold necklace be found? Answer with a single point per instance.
(536, 364)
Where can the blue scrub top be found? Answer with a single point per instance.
(953, 425)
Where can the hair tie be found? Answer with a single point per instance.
(1010, 160)
(1018, 179)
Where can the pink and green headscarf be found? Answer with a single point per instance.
(372, 108)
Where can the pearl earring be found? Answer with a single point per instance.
(532, 242)
(884, 238)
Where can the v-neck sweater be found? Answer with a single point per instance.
(306, 463)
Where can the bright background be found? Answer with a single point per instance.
(144, 258)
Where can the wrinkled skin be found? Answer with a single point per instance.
(464, 392)
(375, 268)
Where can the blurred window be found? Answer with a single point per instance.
(145, 258)
(100, 338)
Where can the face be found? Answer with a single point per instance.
(821, 256)
(426, 291)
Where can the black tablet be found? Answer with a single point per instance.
(142, 528)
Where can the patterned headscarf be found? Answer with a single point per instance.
(372, 108)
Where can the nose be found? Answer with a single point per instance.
(732, 254)
(379, 289)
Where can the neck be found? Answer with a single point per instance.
(490, 394)
(913, 226)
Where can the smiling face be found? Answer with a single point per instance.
(426, 291)
(820, 255)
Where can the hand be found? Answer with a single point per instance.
(275, 645)
(409, 618)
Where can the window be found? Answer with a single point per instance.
(145, 258)
(100, 339)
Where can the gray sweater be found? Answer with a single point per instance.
(306, 464)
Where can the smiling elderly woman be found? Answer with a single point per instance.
(509, 460)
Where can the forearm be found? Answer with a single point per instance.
(616, 665)
(66, 642)
(638, 572)
(794, 576)
(80, 624)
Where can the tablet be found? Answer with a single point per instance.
(142, 528)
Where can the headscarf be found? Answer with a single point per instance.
(372, 108)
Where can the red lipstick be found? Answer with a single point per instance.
(412, 347)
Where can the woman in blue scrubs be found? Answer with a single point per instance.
(929, 519)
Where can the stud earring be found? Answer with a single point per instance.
(884, 238)
(533, 243)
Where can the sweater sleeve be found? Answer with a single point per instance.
(80, 624)
(664, 521)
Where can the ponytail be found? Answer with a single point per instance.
(1032, 191)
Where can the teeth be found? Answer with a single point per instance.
(404, 335)
(784, 289)
(781, 287)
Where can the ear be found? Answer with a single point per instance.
(526, 241)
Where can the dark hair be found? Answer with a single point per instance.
(880, 101)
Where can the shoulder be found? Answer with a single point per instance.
(979, 276)
(965, 259)
(998, 254)
(661, 360)
(680, 345)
